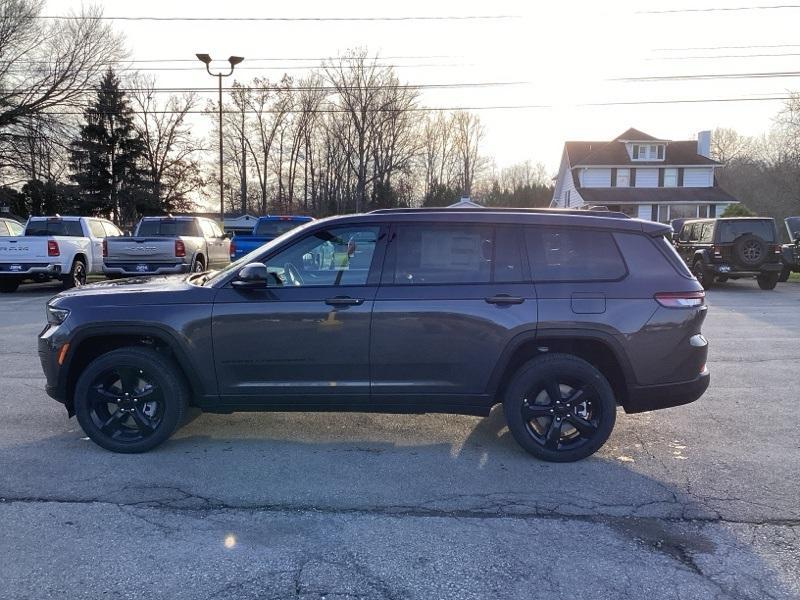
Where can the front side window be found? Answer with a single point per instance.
(96, 228)
(331, 257)
(573, 255)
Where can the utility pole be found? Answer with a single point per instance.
(233, 60)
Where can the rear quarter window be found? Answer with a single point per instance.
(561, 254)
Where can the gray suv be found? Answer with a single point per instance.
(559, 316)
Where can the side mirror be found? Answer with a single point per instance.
(253, 276)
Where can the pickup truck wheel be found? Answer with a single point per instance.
(768, 281)
(76, 276)
(131, 400)
(559, 408)
(8, 285)
(198, 266)
(784, 276)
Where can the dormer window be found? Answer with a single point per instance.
(647, 151)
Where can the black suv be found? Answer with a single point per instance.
(791, 251)
(559, 316)
(722, 249)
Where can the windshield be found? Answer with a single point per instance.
(272, 229)
(253, 256)
(166, 228)
(729, 231)
(793, 227)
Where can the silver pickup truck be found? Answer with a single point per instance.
(162, 245)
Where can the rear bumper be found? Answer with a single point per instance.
(133, 270)
(655, 397)
(728, 270)
(29, 269)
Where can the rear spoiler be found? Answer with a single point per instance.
(655, 230)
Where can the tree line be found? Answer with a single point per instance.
(78, 137)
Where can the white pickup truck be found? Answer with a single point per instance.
(65, 248)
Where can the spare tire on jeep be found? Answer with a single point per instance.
(750, 250)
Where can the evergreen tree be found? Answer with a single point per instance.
(107, 157)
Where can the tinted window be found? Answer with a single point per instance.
(573, 255)
(96, 229)
(686, 233)
(330, 257)
(272, 229)
(507, 257)
(437, 254)
(167, 228)
(54, 227)
(792, 225)
(730, 230)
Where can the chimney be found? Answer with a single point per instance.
(704, 143)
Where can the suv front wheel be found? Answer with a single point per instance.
(560, 408)
(131, 400)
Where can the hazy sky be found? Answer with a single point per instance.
(568, 52)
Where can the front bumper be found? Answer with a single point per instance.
(48, 357)
(144, 268)
(655, 397)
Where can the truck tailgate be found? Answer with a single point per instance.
(136, 249)
(23, 249)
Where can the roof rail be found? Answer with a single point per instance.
(593, 212)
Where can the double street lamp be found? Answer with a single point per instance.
(233, 60)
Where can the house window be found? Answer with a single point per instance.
(670, 177)
(647, 152)
(623, 178)
(566, 198)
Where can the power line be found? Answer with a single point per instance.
(726, 47)
(283, 19)
(282, 67)
(222, 60)
(768, 75)
(714, 56)
(458, 108)
(716, 9)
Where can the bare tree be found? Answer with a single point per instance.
(171, 151)
(469, 136)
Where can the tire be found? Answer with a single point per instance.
(76, 276)
(128, 422)
(8, 286)
(768, 281)
(527, 407)
(784, 276)
(702, 275)
(750, 250)
(198, 266)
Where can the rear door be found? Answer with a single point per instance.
(97, 235)
(451, 298)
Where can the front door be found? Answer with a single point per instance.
(452, 297)
(305, 338)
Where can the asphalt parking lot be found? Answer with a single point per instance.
(701, 501)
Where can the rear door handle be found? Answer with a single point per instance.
(344, 301)
(504, 299)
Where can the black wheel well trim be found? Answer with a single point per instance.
(496, 380)
(78, 255)
(87, 333)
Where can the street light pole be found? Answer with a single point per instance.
(233, 60)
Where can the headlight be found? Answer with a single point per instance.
(56, 316)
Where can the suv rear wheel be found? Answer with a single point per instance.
(559, 408)
(768, 281)
(131, 400)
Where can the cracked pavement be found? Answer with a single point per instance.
(701, 501)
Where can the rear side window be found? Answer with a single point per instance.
(111, 230)
(54, 227)
(730, 230)
(167, 228)
(573, 255)
(14, 228)
(96, 228)
(208, 231)
(706, 233)
(4, 228)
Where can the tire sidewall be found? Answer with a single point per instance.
(558, 364)
(166, 374)
(769, 281)
(69, 279)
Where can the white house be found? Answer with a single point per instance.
(642, 176)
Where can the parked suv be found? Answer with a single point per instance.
(722, 249)
(790, 253)
(559, 316)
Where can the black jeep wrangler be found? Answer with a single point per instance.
(790, 253)
(720, 249)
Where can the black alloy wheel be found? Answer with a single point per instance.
(198, 266)
(76, 276)
(560, 408)
(131, 399)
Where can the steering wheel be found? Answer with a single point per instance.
(293, 274)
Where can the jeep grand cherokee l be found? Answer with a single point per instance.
(559, 316)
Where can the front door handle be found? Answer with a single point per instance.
(504, 299)
(344, 301)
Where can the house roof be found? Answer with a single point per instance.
(613, 153)
(636, 195)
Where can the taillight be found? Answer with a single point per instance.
(775, 249)
(717, 251)
(180, 248)
(233, 248)
(52, 248)
(105, 249)
(680, 299)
